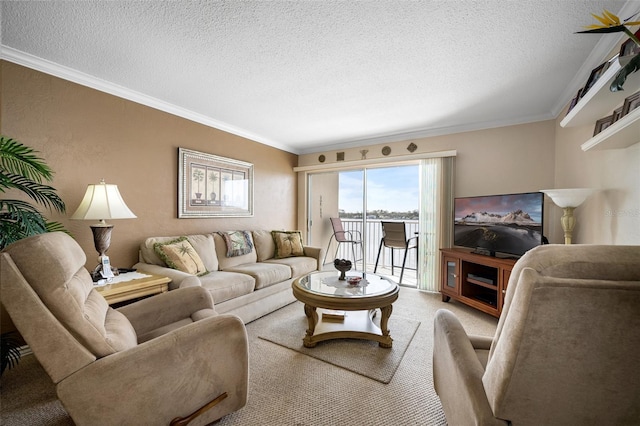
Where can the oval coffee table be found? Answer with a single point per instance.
(323, 290)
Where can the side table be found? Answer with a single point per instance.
(133, 285)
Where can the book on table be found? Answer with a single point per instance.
(333, 315)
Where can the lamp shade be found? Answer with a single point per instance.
(102, 201)
(570, 197)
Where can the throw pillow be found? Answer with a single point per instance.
(238, 243)
(179, 254)
(288, 243)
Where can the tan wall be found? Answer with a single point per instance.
(612, 214)
(86, 135)
(495, 161)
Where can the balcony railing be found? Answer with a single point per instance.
(372, 235)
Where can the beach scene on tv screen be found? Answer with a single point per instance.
(500, 223)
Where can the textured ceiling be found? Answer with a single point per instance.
(306, 76)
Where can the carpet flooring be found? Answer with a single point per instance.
(287, 387)
(364, 357)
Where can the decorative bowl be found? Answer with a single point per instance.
(343, 266)
(354, 280)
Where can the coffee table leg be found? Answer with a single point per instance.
(312, 318)
(384, 320)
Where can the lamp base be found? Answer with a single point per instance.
(102, 241)
(568, 223)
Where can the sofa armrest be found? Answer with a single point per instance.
(315, 252)
(179, 279)
(166, 308)
(457, 374)
(170, 376)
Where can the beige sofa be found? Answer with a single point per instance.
(565, 350)
(250, 285)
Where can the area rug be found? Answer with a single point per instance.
(363, 357)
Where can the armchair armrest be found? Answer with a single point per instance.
(170, 376)
(167, 308)
(457, 374)
(178, 278)
(481, 342)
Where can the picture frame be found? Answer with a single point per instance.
(596, 73)
(575, 100)
(602, 124)
(213, 186)
(617, 113)
(630, 103)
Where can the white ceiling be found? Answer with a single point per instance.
(307, 76)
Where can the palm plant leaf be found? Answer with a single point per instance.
(21, 160)
(19, 219)
(22, 170)
(9, 351)
(41, 193)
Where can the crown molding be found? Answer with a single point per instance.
(426, 133)
(43, 65)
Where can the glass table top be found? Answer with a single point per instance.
(327, 284)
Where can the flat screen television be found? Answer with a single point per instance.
(499, 225)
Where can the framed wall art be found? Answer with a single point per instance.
(602, 124)
(631, 103)
(596, 73)
(213, 186)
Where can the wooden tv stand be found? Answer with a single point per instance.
(477, 280)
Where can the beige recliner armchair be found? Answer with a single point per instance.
(566, 347)
(164, 358)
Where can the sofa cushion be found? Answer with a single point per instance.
(203, 244)
(264, 244)
(225, 262)
(227, 285)
(288, 244)
(179, 254)
(299, 265)
(264, 273)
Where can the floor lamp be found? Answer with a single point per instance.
(102, 202)
(568, 199)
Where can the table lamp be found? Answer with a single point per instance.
(568, 199)
(100, 202)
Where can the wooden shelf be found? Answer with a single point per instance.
(621, 134)
(481, 283)
(599, 101)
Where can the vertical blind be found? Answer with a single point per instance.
(436, 195)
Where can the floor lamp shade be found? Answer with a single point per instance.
(101, 202)
(568, 199)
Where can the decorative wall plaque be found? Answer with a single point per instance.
(412, 147)
(321, 158)
(340, 156)
(386, 150)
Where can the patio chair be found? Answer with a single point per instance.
(344, 237)
(394, 236)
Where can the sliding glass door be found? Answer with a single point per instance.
(362, 199)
